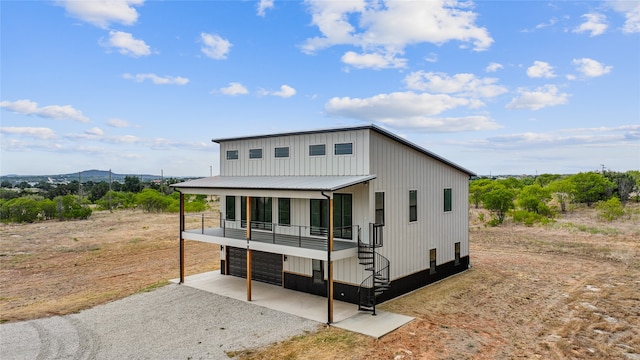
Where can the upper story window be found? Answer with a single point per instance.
(413, 205)
(317, 150)
(447, 200)
(379, 208)
(232, 154)
(255, 153)
(282, 152)
(343, 149)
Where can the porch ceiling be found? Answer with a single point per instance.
(291, 186)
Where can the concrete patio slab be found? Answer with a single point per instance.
(345, 315)
(375, 326)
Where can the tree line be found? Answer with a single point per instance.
(538, 199)
(74, 200)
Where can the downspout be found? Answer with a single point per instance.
(329, 267)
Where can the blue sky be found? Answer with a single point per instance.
(501, 87)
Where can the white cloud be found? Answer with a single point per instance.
(542, 97)
(595, 24)
(126, 44)
(613, 136)
(234, 88)
(103, 12)
(493, 67)
(263, 5)
(432, 58)
(540, 69)
(96, 131)
(214, 46)
(631, 11)
(29, 107)
(591, 68)
(119, 123)
(284, 92)
(378, 30)
(373, 60)
(158, 80)
(123, 139)
(467, 85)
(551, 22)
(409, 110)
(35, 132)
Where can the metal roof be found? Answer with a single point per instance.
(319, 183)
(352, 128)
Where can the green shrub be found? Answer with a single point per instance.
(48, 209)
(116, 200)
(529, 218)
(152, 201)
(71, 207)
(20, 210)
(610, 210)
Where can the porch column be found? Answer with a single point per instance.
(330, 266)
(249, 256)
(248, 248)
(182, 226)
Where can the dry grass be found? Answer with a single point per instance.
(542, 292)
(564, 290)
(56, 268)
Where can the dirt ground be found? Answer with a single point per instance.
(570, 289)
(61, 267)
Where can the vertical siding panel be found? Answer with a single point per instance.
(400, 169)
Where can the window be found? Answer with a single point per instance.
(260, 212)
(231, 207)
(255, 153)
(232, 154)
(413, 205)
(379, 208)
(342, 213)
(447, 199)
(343, 149)
(319, 223)
(457, 252)
(432, 261)
(317, 271)
(282, 152)
(317, 150)
(284, 211)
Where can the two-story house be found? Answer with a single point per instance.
(356, 214)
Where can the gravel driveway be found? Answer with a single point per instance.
(173, 322)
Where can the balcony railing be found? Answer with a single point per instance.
(302, 236)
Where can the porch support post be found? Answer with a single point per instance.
(329, 262)
(248, 219)
(248, 248)
(249, 274)
(182, 226)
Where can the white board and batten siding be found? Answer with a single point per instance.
(299, 163)
(399, 169)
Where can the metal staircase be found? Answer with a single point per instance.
(378, 282)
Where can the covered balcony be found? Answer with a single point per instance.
(294, 240)
(306, 239)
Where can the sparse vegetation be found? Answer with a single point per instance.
(538, 201)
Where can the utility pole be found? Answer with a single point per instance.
(80, 185)
(162, 181)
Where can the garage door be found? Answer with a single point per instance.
(266, 267)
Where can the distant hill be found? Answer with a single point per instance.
(83, 176)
